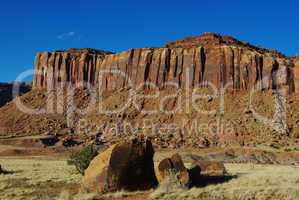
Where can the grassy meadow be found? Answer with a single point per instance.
(50, 178)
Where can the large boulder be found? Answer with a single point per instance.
(210, 168)
(126, 166)
(173, 165)
(203, 173)
(95, 175)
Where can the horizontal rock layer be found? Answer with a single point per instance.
(217, 64)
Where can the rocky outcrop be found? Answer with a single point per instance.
(209, 39)
(126, 166)
(194, 62)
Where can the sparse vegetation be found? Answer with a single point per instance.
(37, 178)
(169, 185)
(260, 182)
(82, 158)
(48, 178)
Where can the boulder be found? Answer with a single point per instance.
(295, 135)
(209, 168)
(125, 166)
(173, 165)
(95, 174)
(203, 173)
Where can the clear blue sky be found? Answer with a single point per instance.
(29, 26)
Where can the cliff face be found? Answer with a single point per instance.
(296, 72)
(197, 61)
(72, 66)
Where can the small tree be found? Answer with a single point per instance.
(82, 159)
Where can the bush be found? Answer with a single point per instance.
(82, 158)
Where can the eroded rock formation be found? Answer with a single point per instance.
(296, 72)
(193, 62)
(73, 66)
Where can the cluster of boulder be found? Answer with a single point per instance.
(130, 166)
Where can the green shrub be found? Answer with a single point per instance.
(82, 158)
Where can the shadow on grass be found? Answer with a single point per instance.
(7, 172)
(199, 180)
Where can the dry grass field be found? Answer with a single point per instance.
(252, 182)
(37, 178)
(51, 178)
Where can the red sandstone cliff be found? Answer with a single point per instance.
(296, 72)
(209, 58)
(73, 66)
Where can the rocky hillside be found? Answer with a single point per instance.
(6, 92)
(186, 128)
(193, 62)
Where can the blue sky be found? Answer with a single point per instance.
(29, 26)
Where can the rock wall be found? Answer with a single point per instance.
(222, 62)
(296, 73)
(73, 66)
(234, 67)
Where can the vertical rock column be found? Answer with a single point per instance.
(296, 74)
(52, 70)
